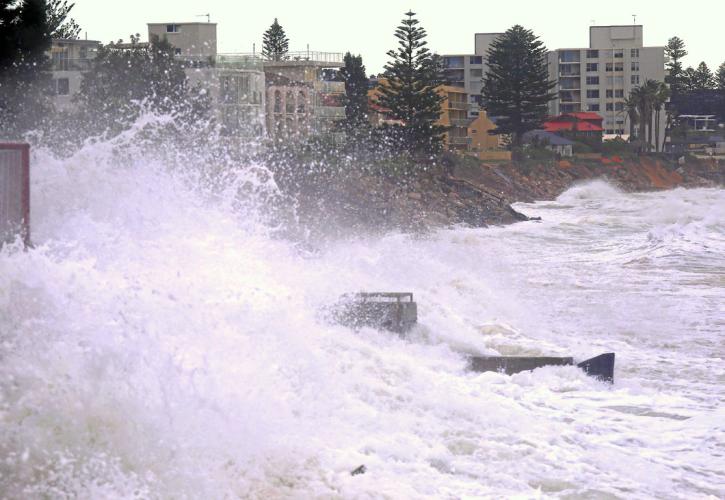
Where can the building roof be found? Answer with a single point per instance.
(576, 126)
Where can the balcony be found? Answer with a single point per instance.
(72, 64)
(460, 122)
(462, 105)
(459, 141)
(570, 70)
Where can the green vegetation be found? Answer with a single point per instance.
(275, 43)
(25, 36)
(62, 26)
(356, 124)
(410, 95)
(516, 88)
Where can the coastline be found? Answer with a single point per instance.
(468, 192)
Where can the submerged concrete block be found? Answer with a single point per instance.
(392, 311)
(601, 367)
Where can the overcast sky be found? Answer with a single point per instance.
(366, 27)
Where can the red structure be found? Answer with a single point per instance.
(576, 125)
(14, 191)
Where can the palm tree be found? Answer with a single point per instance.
(631, 104)
(645, 97)
(661, 95)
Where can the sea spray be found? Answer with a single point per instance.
(162, 339)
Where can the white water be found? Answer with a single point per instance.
(158, 343)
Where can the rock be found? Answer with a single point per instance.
(360, 470)
(415, 196)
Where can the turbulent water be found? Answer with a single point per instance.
(159, 342)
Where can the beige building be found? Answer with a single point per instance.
(69, 60)
(188, 39)
(600, 77)
(466, 71)
(303, 97)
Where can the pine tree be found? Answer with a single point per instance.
(24, 77)
(61, 26)
(356, 93)
(720, 77)
(276, 43)
(703, 78)
(675, 51)
(516, 88)
(409, 93)
(688, 80)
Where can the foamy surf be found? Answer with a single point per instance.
(159, 342)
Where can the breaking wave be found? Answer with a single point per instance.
(162, 340)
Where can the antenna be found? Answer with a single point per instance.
(634, 18)
(208, 17)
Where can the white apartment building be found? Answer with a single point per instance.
(600, 77)
(69, 60)
(467, 70)
(235, 82)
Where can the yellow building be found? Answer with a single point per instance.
(464, 135)
(454, 116)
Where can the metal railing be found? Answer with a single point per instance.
(462, 105)
(303, 56)
(459, 141)
(223, 61)
(457, 122)
(72, 64)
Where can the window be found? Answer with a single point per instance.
(616, 66)
(592, 67)
(569, 108)
(635, 65)
(593, 94)
(619, 93)
(610, 106)
(593, 107)
(172, 28)
(177, 51)
(566, 56)
(609, 131)
(634, 53)
(619, 53)
(618, 106)
(635, 79)
(62, 86)
(475, 60)
(476, 72)
(453, 62)
(592, 80)
(592, 54)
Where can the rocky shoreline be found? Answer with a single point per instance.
(473, 193)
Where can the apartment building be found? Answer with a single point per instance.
(69, 60)
(303, 96)
(599, 78)
(188, 39)
(454, 116)
(466, 71)
(235, 82)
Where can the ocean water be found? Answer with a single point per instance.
(160, 341)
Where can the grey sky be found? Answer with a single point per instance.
(367, 27)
